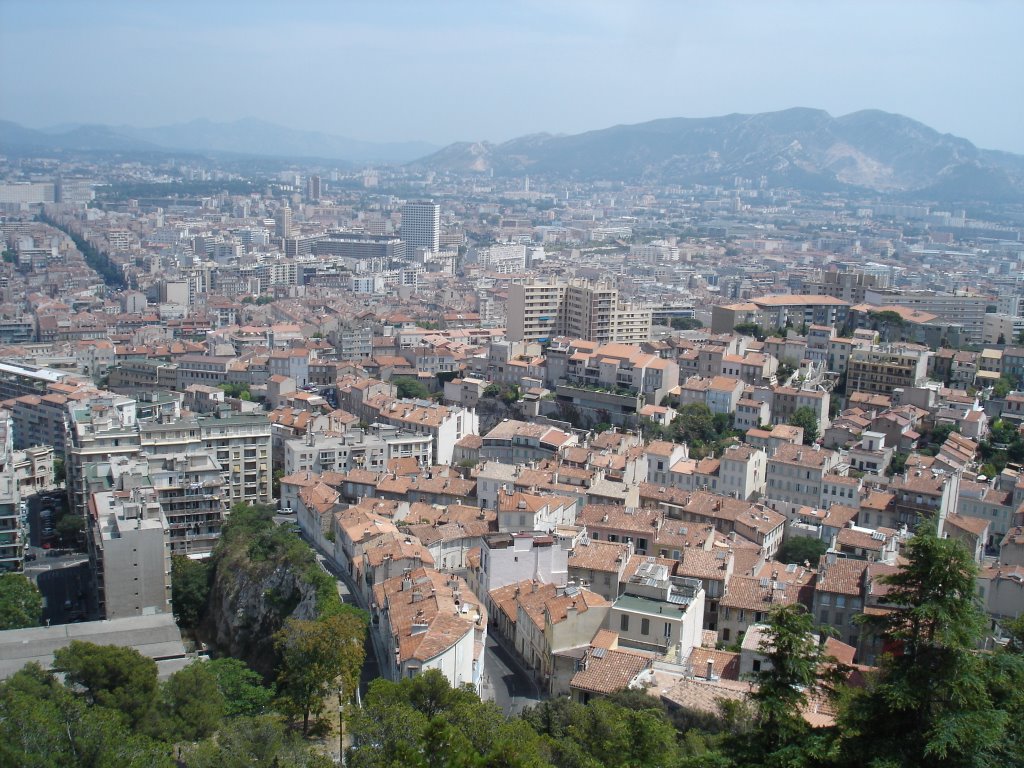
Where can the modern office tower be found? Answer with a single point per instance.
(354, 245)
(27, 192)
(313, 188)
(421, 226)
(538, 311)
(283, 221)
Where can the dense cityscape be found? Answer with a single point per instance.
(589, 436)
(690, 442)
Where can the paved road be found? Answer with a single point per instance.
(505, 682)
(65, 592)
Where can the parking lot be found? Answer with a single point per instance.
(61, 573)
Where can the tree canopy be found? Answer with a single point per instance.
(797, 549)
(805, 418)
(318, 657)
(120, 679)
(21, 605)
(932, 702)
(190, 587)
(411, 388)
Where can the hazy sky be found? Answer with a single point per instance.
(445, 70)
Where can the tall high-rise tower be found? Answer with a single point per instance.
(313, 188)
(283, 221)
(421, 226)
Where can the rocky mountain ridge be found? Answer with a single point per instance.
(802, 148)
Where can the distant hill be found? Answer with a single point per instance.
(803, 148)
(240, 137)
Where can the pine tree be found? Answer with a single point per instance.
(929, 704)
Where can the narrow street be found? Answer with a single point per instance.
(505, 681)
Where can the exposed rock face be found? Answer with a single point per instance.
(802, 148)
(249, 602)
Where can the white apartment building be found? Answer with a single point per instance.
(659, 612)
(539, 311)
(357, 449)
(421, 226)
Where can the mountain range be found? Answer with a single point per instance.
(802, 148)
(239, 137)
(808, 149)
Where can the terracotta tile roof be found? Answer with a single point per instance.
(705, 696)
(428, 612)
(844, 577)
(602, 556)
(606, 671)
(725, 665)
(749, 593)
(397, 546)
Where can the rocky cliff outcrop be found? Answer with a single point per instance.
(261, 576)
(246, 608)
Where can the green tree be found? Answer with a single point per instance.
(797, 549)
(111, 676)
(805, 418)
(941, 433)
(888, 323)
(423, 721)
(411, 388)
(695, 423)
(1002, 387)
(510, 395)
(254, 742)
(70, 527)
(57, 729)
(59, 472)
(897, 464)
(191, 704)
(242, 689)
(190, 588)
(930, 704)
(686, 323)
(318, 657)
(796, 668)
(492, 390)
(605, 733)
(21, 605)
(751, 329)
(784, 372)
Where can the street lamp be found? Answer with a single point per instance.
(341, 724)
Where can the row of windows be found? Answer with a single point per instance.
(645, 626)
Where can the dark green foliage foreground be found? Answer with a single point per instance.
(936, 701)
(112, 713)
(20, 602)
